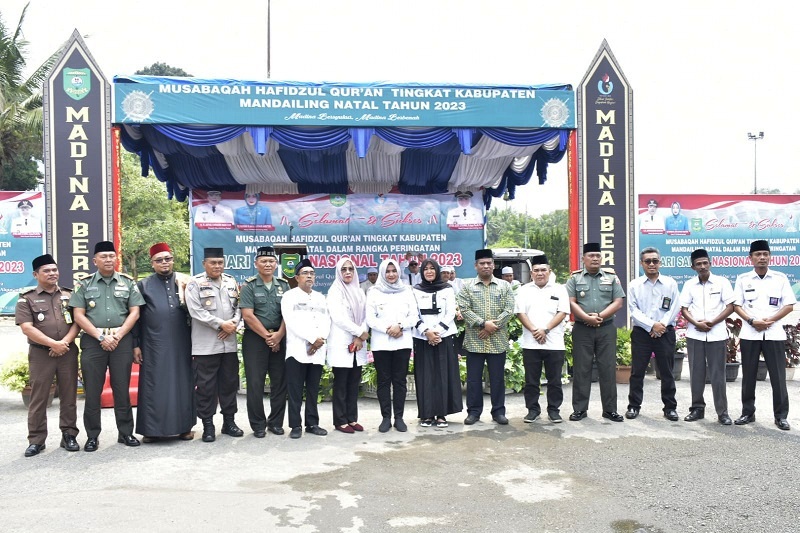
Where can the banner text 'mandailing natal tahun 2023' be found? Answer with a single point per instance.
(725, 225)
(366, 227)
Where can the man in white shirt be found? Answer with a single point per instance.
(653, 307)
(214, 212)
(465, 215)
(541, 307)
(651, 222)
(25, 223)
(508, 275)
(413, 276)
(305, 314)
(706, 301)
(372, 277)
(763, 297)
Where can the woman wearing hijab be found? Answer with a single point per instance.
(436, 373)
(391, 315)
(347, 347)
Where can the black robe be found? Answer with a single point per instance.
(166, 380)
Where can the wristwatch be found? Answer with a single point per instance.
(546, 331)
(751, 320)
(101, 338)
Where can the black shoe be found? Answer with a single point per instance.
(694, 414)
(259, 433)
(782, 424)
(34, 449)
(471, 419)
(577, 415)
(745, 419)
(725, 420)
(296, 433)
(554, 417)
(229, 427)
(399, 425)
(500, 419)
(128, 440)
(631, 413)
(386, 425)
(316, 430)
(531, 416)
(275, 430)
(613, 416)
(671, 415)
(69, 443)
(91, 445)
(209, 431)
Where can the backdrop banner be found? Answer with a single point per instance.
(21, 240)
(725, 225)
(368, 228)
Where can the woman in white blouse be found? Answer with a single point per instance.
(391, 315)
(436, 374)
(347, 347)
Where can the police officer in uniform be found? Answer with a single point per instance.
(45, 318)
(212, 299)
(595, 294)
(106, 306)
(263, 344)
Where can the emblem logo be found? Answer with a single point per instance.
(77, 82)
(605, 85)
(137, 106)
(289, 264)
(555, 113)
(338, 200)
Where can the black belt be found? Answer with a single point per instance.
(606, 323)
(40, 346)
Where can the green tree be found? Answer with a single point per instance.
(148, 217)
(162, 69)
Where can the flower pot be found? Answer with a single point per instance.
(761, 373)
(26, 396)
(732, 371)
(623, 374)
(790, 373)
(677, 366)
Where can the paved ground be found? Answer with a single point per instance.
(592, 476)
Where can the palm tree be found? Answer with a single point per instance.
(20, 97)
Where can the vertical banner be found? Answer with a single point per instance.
(21, 240)
(605, 151)
(77, 139)
(366, 227)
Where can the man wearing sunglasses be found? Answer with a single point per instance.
(653, 305)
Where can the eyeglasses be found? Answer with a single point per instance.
(164, 260)
(651, 261)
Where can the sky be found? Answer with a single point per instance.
(703, 74)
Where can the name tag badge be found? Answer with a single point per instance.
(666, 303)
(67, 317)
(773, 301)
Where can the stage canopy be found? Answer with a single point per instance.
(338, 138)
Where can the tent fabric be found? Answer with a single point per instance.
(306, 159)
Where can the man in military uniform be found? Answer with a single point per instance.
(263, 344)
(212, 299)
(595, 294)
(45, 318)
(106, 306)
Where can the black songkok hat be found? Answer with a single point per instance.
(265, 251)
(104, 246)
(539, 260)
(486, 253)
(759, 246)
(591, 247)
(213, 253)
(697, 254)
(305, 263)
(43, 260)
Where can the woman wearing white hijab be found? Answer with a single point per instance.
(347, 347)
(391, 314)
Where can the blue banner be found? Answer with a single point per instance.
(159, 100)
(21, 230)
(367, 228)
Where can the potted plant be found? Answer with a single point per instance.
(734, 326)
(792, 348)
(15, 376)
(624, 356)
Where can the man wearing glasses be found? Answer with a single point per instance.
(212, 298)
(654, 306)
(106, 306)
(263, 344)
(162, 345)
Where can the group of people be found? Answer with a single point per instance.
(181, 330)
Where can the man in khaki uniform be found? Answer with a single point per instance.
(106, 306)
(44, 315)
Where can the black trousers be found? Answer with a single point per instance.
(216, 377)
(590, 343)
(391, 368)
(496, 364)
(346, 381)
(260, 360)
(642, 346)
(775, 357)
(94, 362)
(553, 362)
(301, 376)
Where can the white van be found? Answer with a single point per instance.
(518, 259)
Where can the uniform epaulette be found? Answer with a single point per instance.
(609, 271)
(224, 275)
(251, 278)
(576, 272)
(80, 276)
(200, 275)
(66, 289)
(124, 275)
(23, 293)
